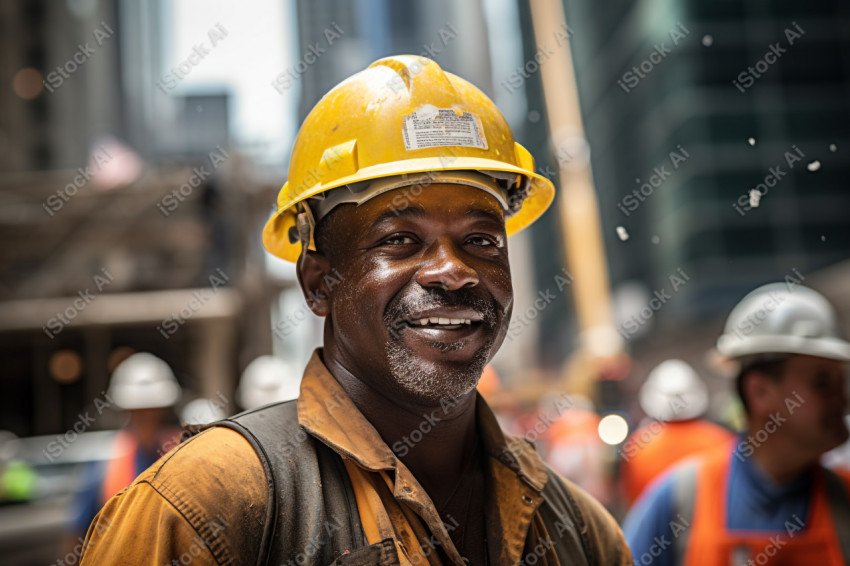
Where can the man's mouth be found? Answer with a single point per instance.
(445, 319)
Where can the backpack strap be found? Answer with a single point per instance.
(562, 515)
(311, 510)
(684, 502)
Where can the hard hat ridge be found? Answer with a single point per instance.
(402, 115)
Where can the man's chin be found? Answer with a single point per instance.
(437, 375)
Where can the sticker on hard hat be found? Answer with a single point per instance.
(439, 127)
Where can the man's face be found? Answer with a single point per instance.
(424, 294)
(811, 394)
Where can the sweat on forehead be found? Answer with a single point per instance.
(404, 203)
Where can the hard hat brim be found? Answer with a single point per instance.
(540, 195)
(730, 346)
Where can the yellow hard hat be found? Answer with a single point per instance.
(402, 115)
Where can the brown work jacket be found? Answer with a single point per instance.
(209, 500)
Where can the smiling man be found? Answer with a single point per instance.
(405, 182)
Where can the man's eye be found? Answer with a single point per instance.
(399, 240)
(483, 241)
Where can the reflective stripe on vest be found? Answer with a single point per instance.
(822, 538)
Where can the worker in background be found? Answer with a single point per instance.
(766, 499)
(144, 387)
(571, 444)
(202, 411)
(674, 398)
(267, 379)
(404, 184)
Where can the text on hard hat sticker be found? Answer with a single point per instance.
(439, 127)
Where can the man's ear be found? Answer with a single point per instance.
(313, 269)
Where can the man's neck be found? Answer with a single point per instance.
(433, 441)
(781, 461)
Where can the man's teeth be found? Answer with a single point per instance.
(441, 320)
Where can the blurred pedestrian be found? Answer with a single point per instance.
(267, 379)
(674, 397)
(144, 387)
(767, 499)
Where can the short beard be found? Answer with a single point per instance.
(422, 379)
(431, 383)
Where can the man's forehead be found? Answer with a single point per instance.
(439, 198)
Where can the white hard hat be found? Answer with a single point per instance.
(267, 380)
(201, 411)
(673, 392)
(143, 381)
(781, 318)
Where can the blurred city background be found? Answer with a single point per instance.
(143, 142)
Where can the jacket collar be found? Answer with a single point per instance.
(327, 412)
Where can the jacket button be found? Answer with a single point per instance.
(407, 489)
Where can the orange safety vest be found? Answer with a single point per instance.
(653, 449)
(809, 540)
(121, 468)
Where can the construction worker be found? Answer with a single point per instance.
(765, 499)
(202, 411)
(673, 397)
(145, 388)
(267, 379)
(565, 430)
(404, 182)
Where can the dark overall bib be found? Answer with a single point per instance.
(312, 515)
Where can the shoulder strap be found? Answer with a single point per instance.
(558, 500)
(839, 507)
(684, 501)
(311, 510)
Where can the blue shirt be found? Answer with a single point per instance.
(87, 501)
(753, 503)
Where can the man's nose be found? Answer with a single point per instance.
(443, 267)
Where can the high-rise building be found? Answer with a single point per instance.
(720, 139)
